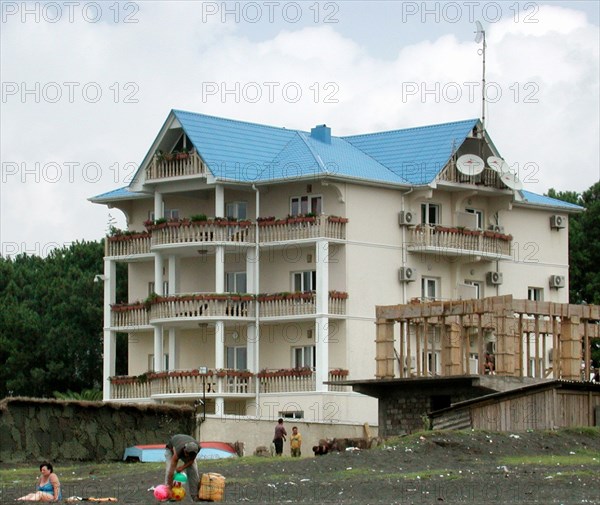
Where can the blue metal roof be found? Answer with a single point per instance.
(118, 194)
(535, 199)
(248, 152)
(415, 154)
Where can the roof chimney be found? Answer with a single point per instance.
(321, 132)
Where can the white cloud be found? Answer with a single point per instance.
(170, 59)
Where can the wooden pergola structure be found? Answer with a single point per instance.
(524, 331)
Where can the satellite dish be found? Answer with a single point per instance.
(497, 164)
(511, 180)
(469, 164)
(479, 33)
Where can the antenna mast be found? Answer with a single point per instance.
(479, 37)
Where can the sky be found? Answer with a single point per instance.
(86, 87)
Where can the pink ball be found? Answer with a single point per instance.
(161, 492)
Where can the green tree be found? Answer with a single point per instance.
(51, 321)
(584, 250)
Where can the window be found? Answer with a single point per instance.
(304, 356)
(236, 358)
(535, 294)
(430, 288)
(291, 414)
(151, 367)
(479, 217)
(304, 281)
(430, 213)
(168, 213)
(478, 288)
(237, 210)
(235, 282)
(304, 204)
(151, 288)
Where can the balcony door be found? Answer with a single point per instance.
(235, 282)
(430, 213)
(304, 357)
(236, 357)
(304, 281)
(300, 205)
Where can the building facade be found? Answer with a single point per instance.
(256, 256)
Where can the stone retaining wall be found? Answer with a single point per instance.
(55, 430)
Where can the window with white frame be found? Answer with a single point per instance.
(430, 213)
(304, 356)
(479, 217)
(235, 282)
(300, 205)
(236, 357)
(237, 210)
(304, 281)
(430, 288)
(151, 367)
(170, 214)
(535, 294)
(478, 288)
(152, 288)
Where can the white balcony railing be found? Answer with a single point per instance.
(219, 383)
(182, 165)
(127, 244)
(203, 232)
(453, 241)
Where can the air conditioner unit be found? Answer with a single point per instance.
(557, 281)
(557, 222)
(406, 218)
(494, 278)
(407, 274)
(496, 228)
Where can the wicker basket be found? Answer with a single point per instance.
(212, 487)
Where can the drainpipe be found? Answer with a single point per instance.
(257, 290)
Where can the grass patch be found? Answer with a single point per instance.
(574, 473)
(580, 458)
(70, 473)
(368, 474)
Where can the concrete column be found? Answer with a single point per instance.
(158, 205)
(252, 347)
(158, 274)
(251, 270)
(322, 321)
(158, 349)
(109, 336)
(173, 275)
(173, 355)
(219, 201)
(220, 269)
(220, 363)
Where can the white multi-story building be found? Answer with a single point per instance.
(266, 251)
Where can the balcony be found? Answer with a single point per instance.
(203, 232)
(211, 306)
(129, 315)
(226, 383)
(187, 234)
(449, 241)
(299, 304)
(301, 228)
(174, 166)
(206, 306)
(127, 244)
